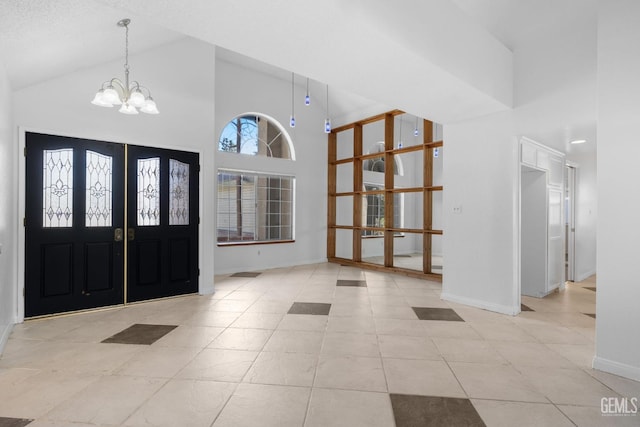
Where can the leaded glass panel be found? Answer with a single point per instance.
(57, 188)
(99, 185)
(148, 208)
(178, 193)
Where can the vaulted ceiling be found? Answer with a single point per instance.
(446, 60)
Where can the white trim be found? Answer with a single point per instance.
(616, 368)
(22, 130)
(517, 221)
(498, 308)
(4, 336)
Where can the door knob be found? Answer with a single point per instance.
(131, 234)
(118, 235)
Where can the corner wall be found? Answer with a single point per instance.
(8, 222)
(617, 309)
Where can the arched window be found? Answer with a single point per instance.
(256, 134)
(255, 206)
(377, 164)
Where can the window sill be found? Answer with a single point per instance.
(253, 243)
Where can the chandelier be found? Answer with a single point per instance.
(130, 95)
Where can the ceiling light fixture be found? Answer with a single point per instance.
(327, 121)
(416, 132)
(578, 141)
(292, 120)
(128, 94)
(307, 98)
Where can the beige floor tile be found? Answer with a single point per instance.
(421, 377)
(232, 305)
(552, 334)
(242, 339)
(33, 396)
(532, 354)
(270, 306)
(258, 320)
(303, 322)
(581, 355)
(388, 301)
(350, 372)
(220, 319)
(94, 332)
(189, 336)
(295, 369)
(408, 347)
(400, 327)
(349, 408)
(183, 403)
(219, 365)
(568, 386)
(294, 342)
(583, 416)
(446, 329)
(351, 309)
(426, 301)
(109, 400)
(358, 325)
(504, 331)
(495, 382)
(265, 406)
(623, 386)
(158, 362)
(467, 350)
(509, 414)
(393, 312)
(350, 344)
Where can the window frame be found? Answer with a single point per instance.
(257, 175)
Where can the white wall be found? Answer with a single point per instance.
(8, 223)
(555, 83)
(618, 297)
(181, 78)
(241, 90)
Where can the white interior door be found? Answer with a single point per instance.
(555, 239)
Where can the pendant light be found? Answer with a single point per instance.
(327, 121)
(400, 136)
(292, 120)
(416, 132)
(130, 95)
(307, 98)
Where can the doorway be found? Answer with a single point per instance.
(570, 223)
(107, 223)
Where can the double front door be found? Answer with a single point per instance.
(107, 223)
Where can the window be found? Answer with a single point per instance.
(254, 207)
(255, 135)
(373, 211)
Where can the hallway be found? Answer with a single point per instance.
(241, 357)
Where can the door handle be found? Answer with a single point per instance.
(131, 234)
(118, 235)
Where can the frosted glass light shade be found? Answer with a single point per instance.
(111, 96)
(327, 126)
(149, 107)
(128, 109)
(99, 100)
(136, 99)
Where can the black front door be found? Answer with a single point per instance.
(75, 231)
(162, 223)
(74, 237)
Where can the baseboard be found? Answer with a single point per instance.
(616, 368)
(280, 265)
(4, 336)
(503, 309)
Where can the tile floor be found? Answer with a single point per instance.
(289, 347)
